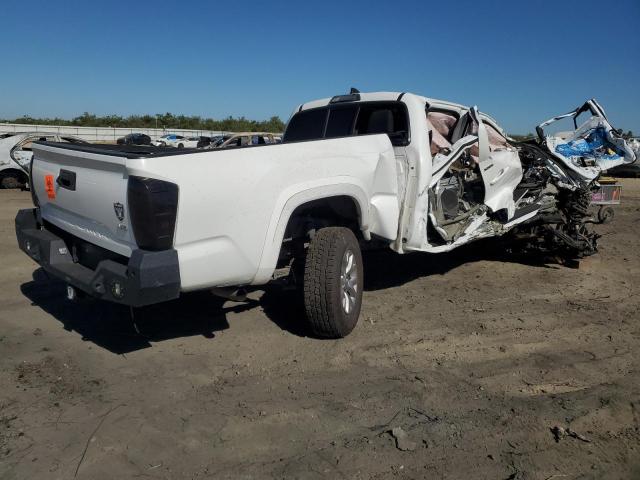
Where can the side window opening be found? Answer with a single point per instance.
(496, 140)
(390, 118)
(257, 140)
(443, 122)
(441, 125)
(366, 118)
(471, 128)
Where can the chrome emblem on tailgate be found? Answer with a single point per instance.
(119, 209)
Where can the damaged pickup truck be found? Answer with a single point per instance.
(137, 226)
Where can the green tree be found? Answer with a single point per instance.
(166, 120)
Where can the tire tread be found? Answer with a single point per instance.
(323, 262)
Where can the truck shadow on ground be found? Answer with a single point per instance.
(386, 269)
(116, 329)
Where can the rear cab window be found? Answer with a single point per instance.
(341, 121)
(345, 120)
(306, 125)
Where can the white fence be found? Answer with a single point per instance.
(101, 134)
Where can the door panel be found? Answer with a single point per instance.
(501, 171)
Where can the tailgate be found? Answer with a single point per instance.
(84, 194)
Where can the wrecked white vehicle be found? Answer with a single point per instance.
(16, 153)
(591, 147)
(567, 165)
(136, 225)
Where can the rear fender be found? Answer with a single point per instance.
(278, 225)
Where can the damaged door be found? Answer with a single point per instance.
(473, 182)
(456, 192)
(500, 168)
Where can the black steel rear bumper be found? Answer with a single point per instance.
(147, 278)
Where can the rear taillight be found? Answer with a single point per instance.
(153, 206)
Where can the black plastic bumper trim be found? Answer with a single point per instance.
(149, 277)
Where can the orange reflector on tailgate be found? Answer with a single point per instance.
(50, 186)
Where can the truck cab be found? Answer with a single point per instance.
(428, 137)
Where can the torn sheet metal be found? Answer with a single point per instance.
(592, 147)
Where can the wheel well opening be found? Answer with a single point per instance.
(15, 173)
(338, 211)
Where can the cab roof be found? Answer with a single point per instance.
(387, 96)
(375, 96)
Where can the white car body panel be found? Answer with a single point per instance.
(501, 172)
(227, 232)
(189, 142)
(169, 140)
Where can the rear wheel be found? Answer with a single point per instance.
(181, 145)
(333, 280)
(11, 179)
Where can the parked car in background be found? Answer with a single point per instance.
(179, 141)
(170, 140)
(246, 138)
(190, 142)
(135, 139)
(219, 140)
(16, 154)
(204, 142)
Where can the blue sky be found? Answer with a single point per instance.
(520, 61)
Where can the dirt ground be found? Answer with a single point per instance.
(477, 355)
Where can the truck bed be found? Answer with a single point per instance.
(138, 151)
(233, 204)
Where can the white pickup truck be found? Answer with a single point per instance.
(139, 225)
